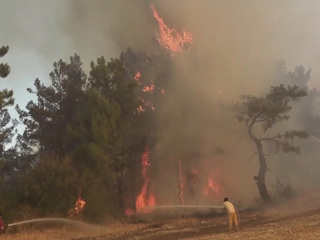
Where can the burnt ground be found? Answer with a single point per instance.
(299, 219)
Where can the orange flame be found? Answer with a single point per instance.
(145, 199)
(145, 162)
(145, 89)
(129, 212)
(145, 103)
(169, 38)
(137, 77)
(180, 182)
(140, 109)
(211, 186)
(149, 88)
(80, 203)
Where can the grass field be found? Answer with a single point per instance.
(298, 219)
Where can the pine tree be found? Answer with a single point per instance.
(6, 100)
(266, 112)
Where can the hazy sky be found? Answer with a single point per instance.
(41, 32)
(236, 44)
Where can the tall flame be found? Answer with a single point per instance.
(180, 183)
(211, 186)
(169, 38)
(145, 199)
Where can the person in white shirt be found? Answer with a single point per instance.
(232, 213)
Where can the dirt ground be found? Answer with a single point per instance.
(298, 219)
(294, 220)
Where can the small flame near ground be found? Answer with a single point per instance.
(181, 183)
(79, 206)
(170, 38)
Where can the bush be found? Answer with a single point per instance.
(282, 192)
(101, 204)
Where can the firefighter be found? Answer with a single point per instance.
(232, 213)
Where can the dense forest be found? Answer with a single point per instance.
(83, 136)
(86, 133)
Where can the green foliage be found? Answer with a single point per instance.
(6, 131)
(4, 70)
(51, 187)
(4, 50)
(96, 140)
(81, 133)
(93, 134)
(6, 100)
(4, 67)
(269, 110)
(46, 119)
(109, 79)
(100, 203)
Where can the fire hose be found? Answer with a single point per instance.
(42, 220)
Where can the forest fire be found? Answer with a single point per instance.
(149, 88)
(79, 206)
(169, 38)
(145, 198)
(145, 103)
(181, 183)
(137, 77)
(211, 186)
(190, 182)
(146, 89)
(194, 184)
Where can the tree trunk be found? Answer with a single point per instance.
(263, 167)
(262, 172)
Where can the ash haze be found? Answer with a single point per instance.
(236, 46)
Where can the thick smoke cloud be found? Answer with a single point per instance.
(236, 44)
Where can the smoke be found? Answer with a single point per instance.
(236, 44)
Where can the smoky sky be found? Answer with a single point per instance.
(236, 45)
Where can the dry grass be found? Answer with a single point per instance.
(297, 220)
(49, 234)
(78, 230)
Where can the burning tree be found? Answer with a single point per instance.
(80, 203)
(151, 74)
(267, 111)
(170, 38)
